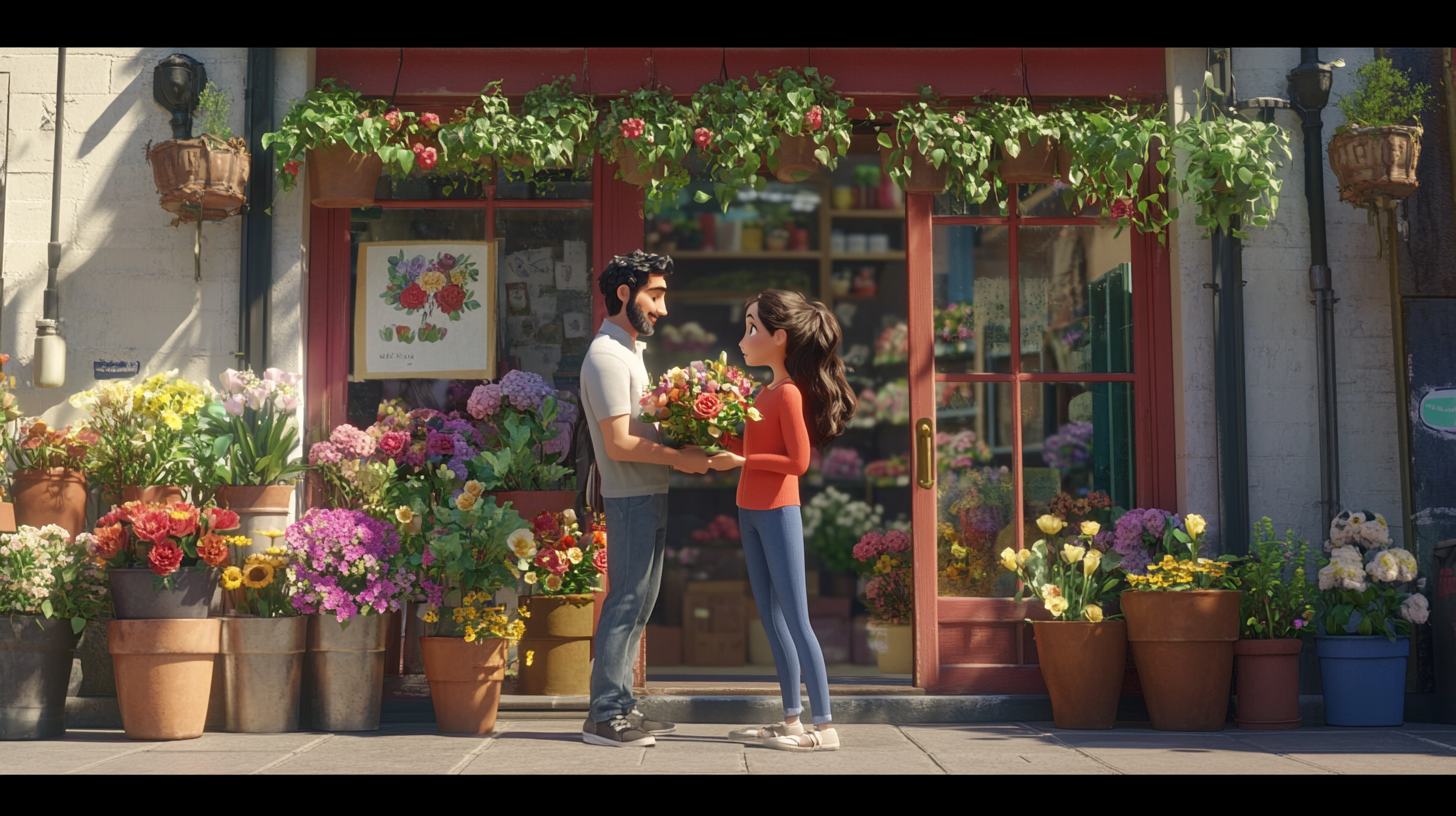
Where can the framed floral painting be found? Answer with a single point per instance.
(425, 309)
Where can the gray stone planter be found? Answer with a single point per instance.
(135, 596)
(35, 673)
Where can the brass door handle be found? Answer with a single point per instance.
(925, 453)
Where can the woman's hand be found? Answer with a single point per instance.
(726, 460)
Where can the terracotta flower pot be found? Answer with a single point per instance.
(339, 178)
(163, 675)
(529, 503)
(205, 173)
(1183, 644)
(1268, 684)
(633, 172)
(152, 494)
(556, 651)
(924, 177)
(894, 647)
(465, 682)
(1083, 664)
(795, 159)
(1040, 163)
(7, 517)
(265, 507)
(56, 496)
(1374, 162)
(35, 673)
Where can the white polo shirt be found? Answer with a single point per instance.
(613, 378)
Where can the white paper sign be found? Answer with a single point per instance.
(574, 325)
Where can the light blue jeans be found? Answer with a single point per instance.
(636, 539)
(773, 550)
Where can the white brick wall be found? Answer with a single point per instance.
(126, 278)
(1279, 331)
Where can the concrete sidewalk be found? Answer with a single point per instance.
(547, 745)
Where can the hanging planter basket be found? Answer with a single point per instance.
(204, 173)
(795, 159)
(1374, 163)
(924, 177)
(1040, 163)
(339, 178)
(633, 171)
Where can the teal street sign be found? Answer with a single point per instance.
(1438, 410)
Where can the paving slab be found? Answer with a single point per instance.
(1000, 749)
(864, 749)
(177, 762)
(1137, 751)
(392, 750)
(213, 741)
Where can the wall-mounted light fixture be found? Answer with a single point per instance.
(177, 84)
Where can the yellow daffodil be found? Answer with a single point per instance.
(1072, 554)
(1093, 613)
(1008, 559)
(465, 502)
(1091, 528)
(1194, 524)
(404, 514)
(474, 488)
(1022, 556)
(1049, 524)
(1056, 605)
(1089, 564)
(232, 578)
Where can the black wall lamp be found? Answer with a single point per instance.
(177, 84)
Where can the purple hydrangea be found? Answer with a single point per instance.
(1070, 447)
(525, 390)
(484, 401)
(1138, 531)
(562, 441)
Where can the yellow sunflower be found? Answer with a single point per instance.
(258, 575)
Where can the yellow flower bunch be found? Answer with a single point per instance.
(167, 399)
(478, 618)
(1171, 573)
(887, 563)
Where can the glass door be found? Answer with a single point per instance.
(1023, 399)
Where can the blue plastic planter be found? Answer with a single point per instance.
(1364, 679)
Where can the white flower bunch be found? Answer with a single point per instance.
(1393, 566)
(1346, 570)
(42, 574)
(1415, 609)
(1360, 528)
(840, 515)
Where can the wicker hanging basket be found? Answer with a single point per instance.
(205, 173)
(1374, 163)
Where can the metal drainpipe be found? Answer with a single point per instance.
(255, 276)
(1309, 91)
(1230, 402)
(51, 308)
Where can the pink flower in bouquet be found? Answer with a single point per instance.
(600, 561)
(324, 453)
(394, 443)
(707, 406)
(429, 120)
(553, 560)
(425, 157)
(352, 442)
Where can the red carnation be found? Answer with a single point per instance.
(220, 519)
(184, 519)
(707, 406)
(815, 117)
(165, 558)
(545, 523)
(450, 299)
(600, 561)
(702, 137)
(291, 168)
(413, 297)
(425, 156)
(152, 524)
(632, 128)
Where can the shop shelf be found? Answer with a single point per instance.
(893, 255)
(785, 255)
(867, 214)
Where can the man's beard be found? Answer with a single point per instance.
(638, 319)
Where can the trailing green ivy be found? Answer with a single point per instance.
(948, 139)
(1111, 149)
(333, 114)
(657, 131)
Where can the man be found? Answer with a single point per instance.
(633, 467)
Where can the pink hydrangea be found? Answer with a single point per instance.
(484, 401)
(324, 453)
(352, 443)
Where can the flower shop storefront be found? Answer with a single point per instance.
(1013, 356)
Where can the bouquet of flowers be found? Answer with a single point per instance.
(960, 450)
(1072, 581)
(893, 345)
(417, 440)
(833, 522)
(889, 592)
(264, 594)
(721, 531)
(42, 574)
(976, 514)
(144, 430)
(842, 463)
(528, 432)
(892, 403)
(562, 559)
(1273, 606)
(954, 329)
(345, 564)
(249, 433)
(1180, 568)
(701, 403)
(1367, 586)
(165, 537)
(1069, 448)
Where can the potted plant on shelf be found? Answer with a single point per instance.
(1368, 601)
(49, 589)
(146, 432)
(556, 130)
(1110, 149)
(206, 176)
(1374, 154)
(245, 449)
(934, 149)
(562, 568)
(163, 558)
(522, 460)
(1274, 619)
(811, 122)
(344, 141)
(48, 485)
(889, 595)
(9, 415)
(348, 570)
(263, 644)
(1233, 168)
(833, 522)
(460, 543)
(1182, 620)
(650, 134)
(1082, 649)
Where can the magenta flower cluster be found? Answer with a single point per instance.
(875, 544)
(344, 565)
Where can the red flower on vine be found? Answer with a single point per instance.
(815, 118)
(632, 128)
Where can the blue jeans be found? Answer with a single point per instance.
(773, 550)
(636, 538)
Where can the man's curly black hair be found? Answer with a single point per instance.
(632, 270)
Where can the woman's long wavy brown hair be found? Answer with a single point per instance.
(812, 359)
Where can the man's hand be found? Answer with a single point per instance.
(691, 459)
(725, 460)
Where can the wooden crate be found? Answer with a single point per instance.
(713, 623)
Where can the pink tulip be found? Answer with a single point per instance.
(234, 404)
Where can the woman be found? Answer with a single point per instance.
(806, 406)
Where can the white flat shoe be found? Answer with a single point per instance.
(760, 733)
(808, 741)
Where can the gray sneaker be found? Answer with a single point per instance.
(618, 732)
(654, 727)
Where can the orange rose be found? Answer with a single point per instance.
(213, 549)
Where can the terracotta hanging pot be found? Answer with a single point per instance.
(924, 177)
(633, 172)
(1040, 163)
(204, 172)
(152, 494)
(259, 507)
(465, 682)
(1375, 162)
(1268, 684)
(1183, 643)
(163, 675)
(1083, 665)
(556, 651)
(339, 178)
(56, 496)
(529, 503)
(795, 160)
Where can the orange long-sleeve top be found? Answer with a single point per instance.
(775, 450)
